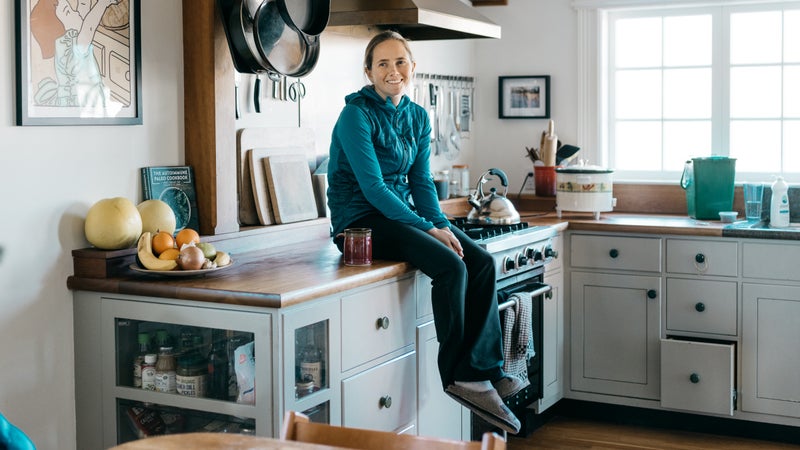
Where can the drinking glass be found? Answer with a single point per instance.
(753, 192)
(357, 247)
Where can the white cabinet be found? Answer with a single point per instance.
(378, 359)
(552, 342)
(107, 328)
(702, 306)
(438, 414)
(697, 376)
(615, 334)
(770, 337)
(311, 363)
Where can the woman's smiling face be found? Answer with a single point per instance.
(392, 69)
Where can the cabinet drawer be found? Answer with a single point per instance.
(701, 306)
(702, 257)
(382, 398)
(697, 376)
(771, 261)
(377, 321)
(611, 252)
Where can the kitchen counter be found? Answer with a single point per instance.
(284, 276)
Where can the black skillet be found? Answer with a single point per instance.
(274, 36)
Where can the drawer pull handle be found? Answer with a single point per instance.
(651, 293)
(694, 378)
(613, 253)
(700, 258)
(383, 322)
(699, 307)
(549, 295)
(386, 401)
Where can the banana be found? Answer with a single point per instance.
(222, 259)
(148, 259)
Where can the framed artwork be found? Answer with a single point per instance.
(524, 97)
(78, 62)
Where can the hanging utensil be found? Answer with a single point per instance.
(297, 91)
(237, 77)
(257, 94)
(432, 88)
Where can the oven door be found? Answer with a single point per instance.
(537, 290)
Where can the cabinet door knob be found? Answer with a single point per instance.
(383, 322)
(694, 378)
(385, 401)
(613, 253)
(700, 258)
(699, 307)
(651, 293)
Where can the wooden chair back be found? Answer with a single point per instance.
(297, 427)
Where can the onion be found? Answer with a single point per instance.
(191, 258)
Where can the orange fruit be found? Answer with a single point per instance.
(186, 236)
(162, 241)
(170, 254)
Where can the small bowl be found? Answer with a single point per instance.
(728, 216)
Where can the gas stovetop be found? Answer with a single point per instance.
(496, 238)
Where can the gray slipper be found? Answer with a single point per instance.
(509, 386)
(488, 405)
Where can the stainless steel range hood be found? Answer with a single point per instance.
(416, 19)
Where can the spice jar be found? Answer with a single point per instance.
(165, 371)
(459, 181)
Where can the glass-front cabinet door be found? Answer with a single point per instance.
(311, 348)
(180, 369)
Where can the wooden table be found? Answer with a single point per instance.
(209, 441)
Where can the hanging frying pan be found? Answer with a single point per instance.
(268, 35)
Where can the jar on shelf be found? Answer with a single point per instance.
(441, 179)
(166, 371)
(459, 180)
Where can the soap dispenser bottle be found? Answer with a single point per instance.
(779, 206)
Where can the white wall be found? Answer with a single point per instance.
(51, 175)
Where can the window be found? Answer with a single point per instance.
(678, 82)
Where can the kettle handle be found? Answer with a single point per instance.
(501, 174)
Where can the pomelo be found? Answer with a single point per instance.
(157, 216)
(113, 223)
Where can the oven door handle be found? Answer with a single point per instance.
(543, 289)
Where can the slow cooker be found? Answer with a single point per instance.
(584, 189)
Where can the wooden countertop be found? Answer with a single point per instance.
(290, 274)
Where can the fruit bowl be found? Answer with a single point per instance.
(177, 273)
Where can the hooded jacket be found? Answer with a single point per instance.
(379, 163)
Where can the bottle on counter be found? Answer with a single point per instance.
(144, 349)
(166, 371)
(149, 372)
(779, 206)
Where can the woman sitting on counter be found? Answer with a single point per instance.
(379, 162)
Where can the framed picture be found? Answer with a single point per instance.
(524, 97)
(78, 62)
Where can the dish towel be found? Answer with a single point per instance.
(518, 336)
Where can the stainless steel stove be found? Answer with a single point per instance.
(521, 255)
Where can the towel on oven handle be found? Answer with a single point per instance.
(518, 335)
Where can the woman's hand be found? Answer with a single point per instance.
(445, 236)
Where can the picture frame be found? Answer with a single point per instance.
(77, 64)
(524, 97)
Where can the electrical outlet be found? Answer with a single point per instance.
(529, 185)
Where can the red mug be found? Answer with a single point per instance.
(357, 247)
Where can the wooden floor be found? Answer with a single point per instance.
(568, 433)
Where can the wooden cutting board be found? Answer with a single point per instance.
(257, 138)
(259, 182)
(290, 189)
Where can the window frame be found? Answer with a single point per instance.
(595, 75)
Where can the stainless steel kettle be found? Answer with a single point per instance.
(493, 209)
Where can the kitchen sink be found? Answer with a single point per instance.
(761, 229)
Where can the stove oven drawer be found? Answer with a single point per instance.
(377, 321)
(614, 252)
(697, 376)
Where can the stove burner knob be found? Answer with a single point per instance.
(550, 253)
(522, 260)
(508, 264)
(537, 255)
(528, 252)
